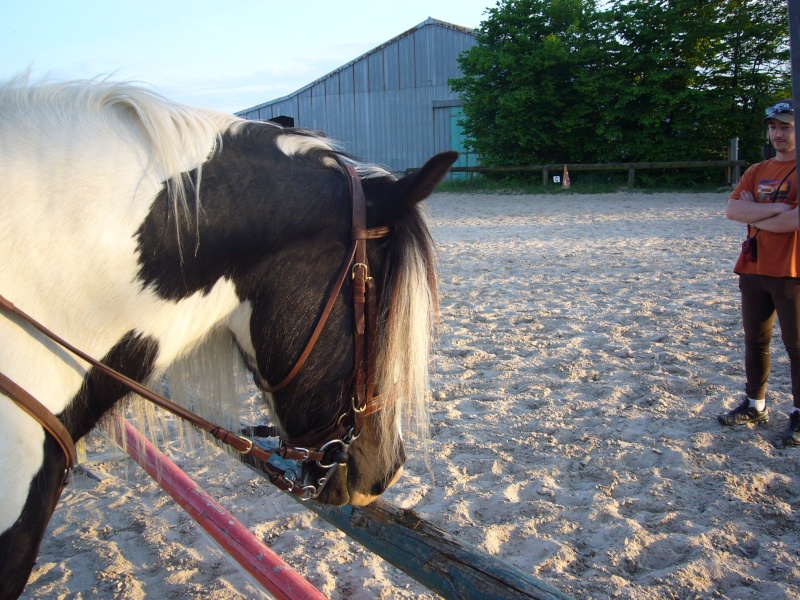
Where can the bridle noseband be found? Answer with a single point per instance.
(326, 447)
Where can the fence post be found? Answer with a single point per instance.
(631, 175)
(733, 154)
(545, 175)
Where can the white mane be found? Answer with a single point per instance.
(179, 136)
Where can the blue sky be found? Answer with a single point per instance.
(199, 53)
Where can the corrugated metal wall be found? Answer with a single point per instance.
(389, 106)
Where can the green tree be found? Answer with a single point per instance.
(563, 81)
(751, 67)
(659, 108)
(521, 83)
(690, 75)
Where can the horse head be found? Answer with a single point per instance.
(284, 297)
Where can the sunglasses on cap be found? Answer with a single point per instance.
(781, 108)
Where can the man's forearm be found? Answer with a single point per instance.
(786, 222)
(750, 212)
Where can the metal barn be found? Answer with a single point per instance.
(393, 105)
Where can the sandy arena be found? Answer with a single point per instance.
(586, 344)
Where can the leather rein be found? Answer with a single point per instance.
(326, 447)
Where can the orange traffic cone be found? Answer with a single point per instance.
(565, 180)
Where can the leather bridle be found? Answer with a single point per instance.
(326, 447)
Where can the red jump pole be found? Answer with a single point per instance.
(277, 577)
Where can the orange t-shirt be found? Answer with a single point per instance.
(778, 253)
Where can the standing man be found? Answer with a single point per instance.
(769, 271)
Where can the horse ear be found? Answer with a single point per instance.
(420, 184)
(388, 200)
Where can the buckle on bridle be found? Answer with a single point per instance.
(249, 445)
(355, 408)
(305, 451)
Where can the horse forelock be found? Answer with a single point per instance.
(305, 142)
(404, 342)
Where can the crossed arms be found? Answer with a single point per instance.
(769, 216)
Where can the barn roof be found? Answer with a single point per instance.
(428, 21)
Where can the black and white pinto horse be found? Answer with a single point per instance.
(138, 229)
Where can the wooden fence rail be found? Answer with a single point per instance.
(734, 165)
(438, 560)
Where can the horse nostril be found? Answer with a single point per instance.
(382, 486)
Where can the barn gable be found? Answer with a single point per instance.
(392, 105)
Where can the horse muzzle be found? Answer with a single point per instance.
(361, 499)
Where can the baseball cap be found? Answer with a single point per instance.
(782, 111)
